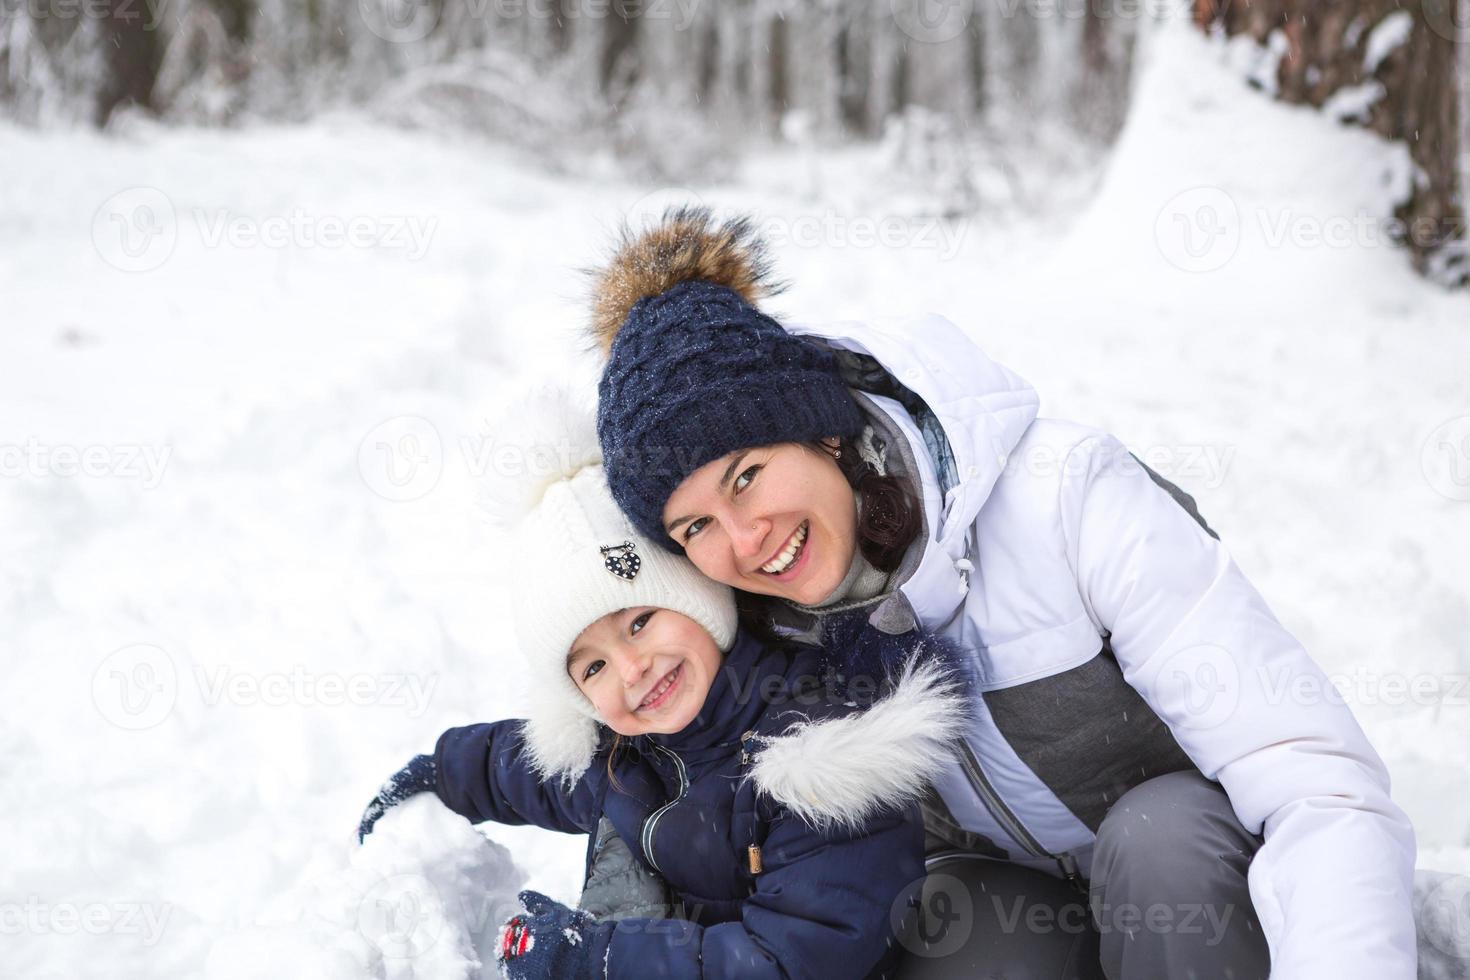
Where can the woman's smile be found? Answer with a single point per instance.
(777, 520)
(792, 553)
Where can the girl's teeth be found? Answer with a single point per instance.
(658, 692)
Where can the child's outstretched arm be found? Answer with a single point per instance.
(822, 908)
(483, 772)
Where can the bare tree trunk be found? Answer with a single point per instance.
(132, 59)
(1406, 47)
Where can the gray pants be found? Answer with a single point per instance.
(1167, 898)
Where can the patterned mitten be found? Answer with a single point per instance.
(552, 941)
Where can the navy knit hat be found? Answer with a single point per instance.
(694, 370)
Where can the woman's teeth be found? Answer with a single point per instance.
(788, 554)
(663, 686)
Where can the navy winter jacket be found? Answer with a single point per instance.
(784, 817)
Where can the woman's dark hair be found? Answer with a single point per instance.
(888, 514)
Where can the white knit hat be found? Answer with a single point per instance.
(577, 558)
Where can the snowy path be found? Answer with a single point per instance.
(267, 588)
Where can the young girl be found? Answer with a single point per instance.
(1133, 731)
(778, 809)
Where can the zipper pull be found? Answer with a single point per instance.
(753, 855)
(1071, 872)
(745, 748)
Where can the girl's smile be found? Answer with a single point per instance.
(658, 698)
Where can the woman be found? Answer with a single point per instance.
(1133, 728)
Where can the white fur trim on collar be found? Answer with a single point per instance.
(840, 772)
(559, 738)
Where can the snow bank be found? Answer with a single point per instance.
(422, 899)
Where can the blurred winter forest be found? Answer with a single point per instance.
(675, 89)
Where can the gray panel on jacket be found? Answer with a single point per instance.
(1087, 734)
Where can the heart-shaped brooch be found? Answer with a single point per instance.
(622, 560)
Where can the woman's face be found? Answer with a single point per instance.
(777, 520)
(645, 670)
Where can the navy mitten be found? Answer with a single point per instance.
(419, 776)
(551, 940)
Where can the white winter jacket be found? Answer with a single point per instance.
(1115, 639)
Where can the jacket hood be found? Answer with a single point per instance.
(984, 409)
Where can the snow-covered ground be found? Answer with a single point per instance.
(243, 579)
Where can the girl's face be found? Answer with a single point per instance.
(646, 670)
(777, 520)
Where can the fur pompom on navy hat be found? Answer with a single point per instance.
(694, 370)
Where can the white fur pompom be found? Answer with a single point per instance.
(536, 437)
